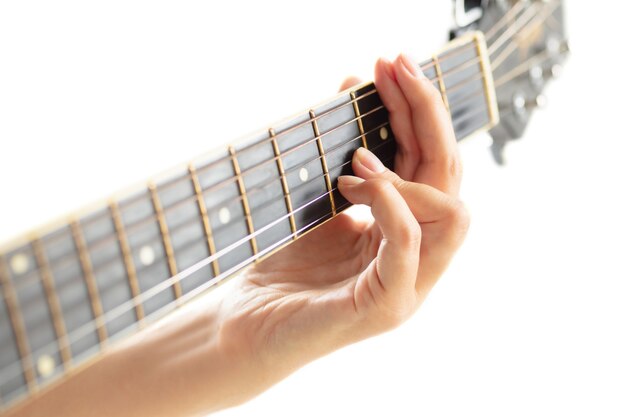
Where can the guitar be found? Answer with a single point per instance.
(73, 289)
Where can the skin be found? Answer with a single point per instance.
(346, 281)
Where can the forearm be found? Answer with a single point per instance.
(174, 368)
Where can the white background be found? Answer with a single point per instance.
(531, 317)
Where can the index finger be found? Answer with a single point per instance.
(431, 145)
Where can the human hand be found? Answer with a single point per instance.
(351, 279)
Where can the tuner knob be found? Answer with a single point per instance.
(521, 105)
(536, 74)
(539, 102)
(555, 71)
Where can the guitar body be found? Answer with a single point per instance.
(44, 342)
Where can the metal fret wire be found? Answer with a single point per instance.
(263, 186)
(185, 273)
(111, 315)
(29, 279)
(26, 280)
(88, 327)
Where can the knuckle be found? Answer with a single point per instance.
(455, 166)
(382, 187)
(411, 235)
(459, 220)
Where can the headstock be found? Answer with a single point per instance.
(527, 46)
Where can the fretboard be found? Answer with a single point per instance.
(75, 288)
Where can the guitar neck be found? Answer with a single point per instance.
(74, 288)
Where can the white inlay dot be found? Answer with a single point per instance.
(384, 133)
(304, 174)
(19, 263)
(224, 215)
(146, 255)
(45, 365)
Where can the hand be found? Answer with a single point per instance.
(352, 279)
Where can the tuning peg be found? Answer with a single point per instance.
(521, 105)
(555, 71)
(539, 102)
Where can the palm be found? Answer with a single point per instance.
(305, 287)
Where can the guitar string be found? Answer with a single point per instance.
(258, 188)
(57, 262)
(504, 19)
(546, 11)
(183, 274)
(435, 80)
(129, 305)
(528, 14)
(426, 66)
(209, 262)
(62, 261)
(356, 138)
(55, 346)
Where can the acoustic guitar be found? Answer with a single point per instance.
(71, 290)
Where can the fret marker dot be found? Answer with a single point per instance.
(304, 174)
(45, 365)
(224, 215)
(384, 133)
(146, 255)
(19, 263)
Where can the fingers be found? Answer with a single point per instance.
(443, 218)
(388, 282)
(427, 204)
(349, 82)
(421, 123)
(399, 117)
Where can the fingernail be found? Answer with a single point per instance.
(349, 180)
(369, 161)
(386, 64)
(411, 66)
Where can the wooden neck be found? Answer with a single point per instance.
(73, 289)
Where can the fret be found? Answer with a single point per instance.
(39, 326)
(12, 378)
(440, 82)
(284, 183)
(320, 148)
(340, 136)
(146, 249)
(462, 76)
(487, 77)
(225, 210)
(53, 303)
(265, 194)
(244, 198)
(205, 218)
(90, 280)
(357, 112)
(71, 291)
(13, 386)
(380, 137)
(187, 229)
(165, 237)
(129, 264)
(109, 269)
(300, 157)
